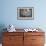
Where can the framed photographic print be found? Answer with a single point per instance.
(25, 13)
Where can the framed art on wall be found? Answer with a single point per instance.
(25, 13)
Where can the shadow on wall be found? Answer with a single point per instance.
(2, 26)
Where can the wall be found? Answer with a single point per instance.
(9, 13)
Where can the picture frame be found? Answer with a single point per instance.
(25, 13)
